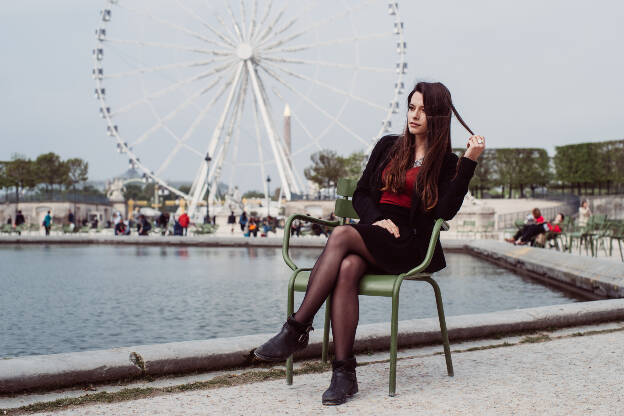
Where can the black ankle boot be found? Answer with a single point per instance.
(293, 337)
(343, 382)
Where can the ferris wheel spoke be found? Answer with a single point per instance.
(315, 105)
(196, 16)
(177, 27)
(259, 145)
(198, 119)
(252, 24)
(215, 172)
(328, 64)
(171, 88)
(267, 31)
(164, 46)
(351, 39)
(317, 25)
(243, 19)
(179, 141)
(237, 28)
(147, 69)
(329, 87)
(267, 11)
(225, 27)
(172, 114)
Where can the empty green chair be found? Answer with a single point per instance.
(370, 285)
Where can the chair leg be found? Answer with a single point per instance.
(325, 350)
(443, 330)
(290, 310)
(394, 329)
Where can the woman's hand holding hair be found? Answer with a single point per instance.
(475, 146)
(388, 225)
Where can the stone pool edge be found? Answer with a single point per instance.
(48, 372)
(593, 277)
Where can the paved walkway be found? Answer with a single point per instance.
(559, 373)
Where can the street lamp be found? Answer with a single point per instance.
(268, 195)
(207, 217)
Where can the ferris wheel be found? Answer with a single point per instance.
(193, 90)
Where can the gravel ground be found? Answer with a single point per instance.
(581, 375)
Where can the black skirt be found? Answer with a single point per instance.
(393, 255)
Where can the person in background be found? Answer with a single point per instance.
(143, 225)
(9, 221)
(47, 223)
(531, 231)
(232, 221)
(163, 222)
(534, 218)
(71, 220)
(295, 227)
(243, 221)
(584, 214)
(184, 221)
(253, 227)
(19, 218)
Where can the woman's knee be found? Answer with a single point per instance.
(351, 270)
(340, 235)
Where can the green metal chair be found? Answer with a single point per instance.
(617, 235)
(370, 284)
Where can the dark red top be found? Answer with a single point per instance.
(554, 228)
(404, 198)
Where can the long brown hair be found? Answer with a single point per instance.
(438, 108)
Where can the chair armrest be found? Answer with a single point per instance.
(439, 224)
(445, 226)
(286, 240)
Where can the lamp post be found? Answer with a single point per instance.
(268, 179)
(207, 217)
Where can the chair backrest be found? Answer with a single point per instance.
(344, 205)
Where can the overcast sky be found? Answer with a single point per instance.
(525, 74)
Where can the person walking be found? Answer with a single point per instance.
(71, 221)
(184, 221)
(19, 220)
(232, 221)
(47, 223)
(242, 221)
(410, 180)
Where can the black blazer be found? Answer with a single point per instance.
(451, 194)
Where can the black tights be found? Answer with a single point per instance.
(338, 271)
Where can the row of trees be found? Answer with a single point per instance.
(584, 168)
(46, 173)
(579, 168)
(327, 167)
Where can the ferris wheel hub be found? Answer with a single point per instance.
(244, 51)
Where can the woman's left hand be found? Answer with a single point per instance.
(475, 146)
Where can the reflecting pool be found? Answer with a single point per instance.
(63, 298)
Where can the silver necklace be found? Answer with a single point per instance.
(418, 162)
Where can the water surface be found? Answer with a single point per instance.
(73, 298)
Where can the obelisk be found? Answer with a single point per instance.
(287, 138)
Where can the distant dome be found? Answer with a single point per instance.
(131, 173)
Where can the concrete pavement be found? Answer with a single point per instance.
(575, 371)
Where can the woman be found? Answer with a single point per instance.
(584, 214)
(531, 228)
(410, 180)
